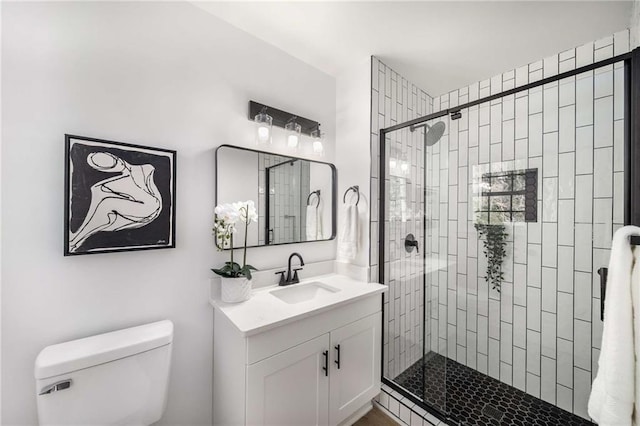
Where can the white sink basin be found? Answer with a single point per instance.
(298, 293)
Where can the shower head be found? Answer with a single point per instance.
(432, 134)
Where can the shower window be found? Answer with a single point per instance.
(509, 196)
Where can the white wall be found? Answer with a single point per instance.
(353, 151)
(159, 74)
(242, 168)
(634, 24)
(1, 8)
(394, 100)
(320, 178)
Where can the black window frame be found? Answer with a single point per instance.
(529, 192)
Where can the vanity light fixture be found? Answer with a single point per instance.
(317, 137)
(294, 126)
(264, 124)
(293, 130)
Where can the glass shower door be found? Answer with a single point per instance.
(412, 227)
(512, 204)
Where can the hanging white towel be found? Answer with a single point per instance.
(312, 223)
(613, 394)
(319, 235)
(348, 239)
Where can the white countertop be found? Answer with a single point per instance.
(265, 311)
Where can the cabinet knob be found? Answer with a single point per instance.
(337, 361)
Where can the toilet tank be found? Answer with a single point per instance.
(117, 378)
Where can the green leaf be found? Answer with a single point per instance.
(246, 271)
(221, 272)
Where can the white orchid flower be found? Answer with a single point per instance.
(246, 211)
(227, 216)
(227, 213)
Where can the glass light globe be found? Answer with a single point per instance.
(263, 133)
(318, 147)
(292, 141)
(264, 123)
(293, 130)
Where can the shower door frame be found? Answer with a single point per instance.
(631, 62)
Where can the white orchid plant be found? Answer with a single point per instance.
(226, 217)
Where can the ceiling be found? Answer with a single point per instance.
(438, 45)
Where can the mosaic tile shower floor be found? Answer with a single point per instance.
(472, 398)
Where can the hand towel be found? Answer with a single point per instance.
(348, 239)
(613, 396)
(319, 235)
(311, 227)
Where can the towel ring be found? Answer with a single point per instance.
(354, 188)
(317, 193)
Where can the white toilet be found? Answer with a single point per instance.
(117, 378)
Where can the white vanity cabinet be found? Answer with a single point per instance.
(357, 380)
(317, 370)
(290, 388)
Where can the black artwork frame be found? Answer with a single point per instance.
(118, 197)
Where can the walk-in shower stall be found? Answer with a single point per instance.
(494, 218)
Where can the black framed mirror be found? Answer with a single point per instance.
(295, 198)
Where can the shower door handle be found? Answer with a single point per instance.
(603, 289)
(410, 242)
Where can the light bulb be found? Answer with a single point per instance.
(317, 137)
(263, 133)
(264, 122)
(404, 166)
(392, 163)
(317, 147)
(293, 130)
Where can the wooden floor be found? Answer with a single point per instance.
(375, 417)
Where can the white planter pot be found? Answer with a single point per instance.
(234, 290)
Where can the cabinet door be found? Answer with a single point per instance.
(357, 380)
(290, 388)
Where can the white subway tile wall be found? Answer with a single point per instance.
(290, 186)
(395, 100)
(542, 333)
(403, 411)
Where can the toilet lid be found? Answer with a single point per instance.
(71, 356)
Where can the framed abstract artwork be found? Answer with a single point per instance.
(118, 196)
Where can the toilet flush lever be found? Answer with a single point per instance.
(55, 387)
